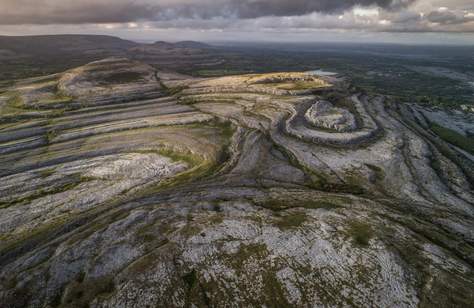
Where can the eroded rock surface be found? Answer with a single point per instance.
(272, 190)
(324, 115)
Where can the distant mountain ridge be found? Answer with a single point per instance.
(51, 44)
(71, 43)
(26, 56)
(192, 44)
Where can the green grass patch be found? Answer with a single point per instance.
(16, 101)
(245, 252)
(50, 135)
(14, 104)
(70, 184)
(360, 232)
(291, 220)
(46, 172)
(123, 77)
(453, 137)
(81, 293)
(191, 279)
(216, 219)
(379, 173)
(55, 114)
(172, 90)
(58, 99)
(188, 100)
(301, 85)
(189, 158)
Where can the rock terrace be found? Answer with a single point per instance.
(122, 186)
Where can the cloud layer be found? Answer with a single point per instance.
(115, 11)
(278, 15)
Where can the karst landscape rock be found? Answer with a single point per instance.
(127, 186)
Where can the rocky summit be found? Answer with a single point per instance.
(126, 186)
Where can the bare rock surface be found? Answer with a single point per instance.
(324, 115)
(122, 186)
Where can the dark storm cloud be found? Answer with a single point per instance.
(448, 18)
(246, 15)
(59, 12)
(260, 8)
(117, 11)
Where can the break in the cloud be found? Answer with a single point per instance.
(282, 16)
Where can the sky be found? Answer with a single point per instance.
(391, 21)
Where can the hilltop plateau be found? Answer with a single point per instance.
(127, 185)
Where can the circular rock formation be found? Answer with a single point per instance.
(219, 192)
(324, 115)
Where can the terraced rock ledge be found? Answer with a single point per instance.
(122, 186)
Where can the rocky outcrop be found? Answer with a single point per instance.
(324, 115)
(110, 80)
(254, 190)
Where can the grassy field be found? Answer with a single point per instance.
(449, 135)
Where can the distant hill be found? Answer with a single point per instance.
(192, 44)
(83, 44)
(60, 44)
(183, 44)
(27, 56)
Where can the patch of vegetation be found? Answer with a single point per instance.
(301, 85)
(152, 235)
(82, 293)
(170, 91)
(47, 80)
(291, 220)
(360, 232)
(190, 230)
(14, 104)
(277, 295)
(123, 77)
(190, 279)
(143, 264)
(351, 185)
(453, 137)
(216, 219)
(46, 172)
(190, 158)
(54, 114)
(216, 207)
(50, 135)
(196, 295)
(13, 244)
(200, 167)
(245, 252)
(281, 204)
(57, 99)
(19, 297)
(188, 100)
(68, 185)
(16, 101)
(319, 181)
(448, 291)
(379, 173)
(251, 262)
